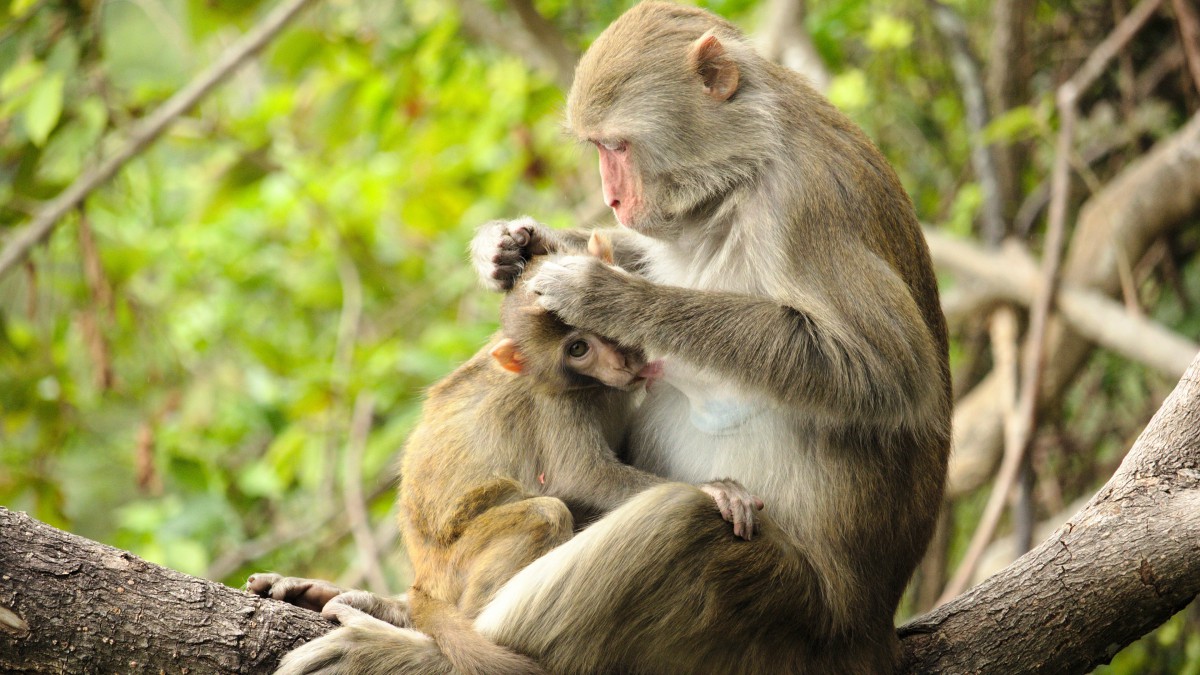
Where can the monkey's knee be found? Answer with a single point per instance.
(551, 516)
(674, 498)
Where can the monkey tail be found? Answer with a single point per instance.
(466, 649)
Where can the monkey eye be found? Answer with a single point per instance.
(613, 146)
(578, 349)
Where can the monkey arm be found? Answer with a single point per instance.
(501, 248)
(601, 485)
(855, 362)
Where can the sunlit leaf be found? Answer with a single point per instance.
(44, 107)
(889, 32)
(848, 90)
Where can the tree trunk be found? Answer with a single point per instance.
(71, 605)
(1123, 565)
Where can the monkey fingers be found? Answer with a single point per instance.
(736, 505)
(305, 593)
(392, 610)
(562, 283)
(501, 248)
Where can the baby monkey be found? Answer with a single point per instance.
(514, 450)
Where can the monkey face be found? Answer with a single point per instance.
(592, 356)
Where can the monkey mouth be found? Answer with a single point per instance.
(648, 374)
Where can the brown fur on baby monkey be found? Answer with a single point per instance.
(514, 450)
(510, 445)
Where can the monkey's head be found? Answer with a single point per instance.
(538, 344)
(672, 99)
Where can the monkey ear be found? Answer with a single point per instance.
(508, 355)
(600, 246)
(717, 70)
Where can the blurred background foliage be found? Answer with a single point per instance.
(180, 363)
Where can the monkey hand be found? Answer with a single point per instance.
(736, 505)
(501, 248)
(568, 287)
(305, 593)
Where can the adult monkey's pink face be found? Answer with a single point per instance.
(619, 181)
(656, 113)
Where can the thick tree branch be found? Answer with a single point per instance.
(22, 242)
(1010, 275)
(1121, 566)
(70, 605)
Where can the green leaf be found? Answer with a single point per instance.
(888, 32)
(19, 7)
(848, 90)
(20, 76)
(1014, 125)
(44, 108)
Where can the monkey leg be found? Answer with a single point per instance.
(662, 585)
(365, 645)
(502, 542)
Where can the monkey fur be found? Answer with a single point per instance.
(510, 448)
(775, 263)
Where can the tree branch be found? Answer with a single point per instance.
(784, 40)
(146, 132)
(970, 83)
(71, 605)
(1010, 275)
(1120, 567)
(533, 37)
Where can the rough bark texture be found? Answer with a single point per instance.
(71, 605)
(1121, 566)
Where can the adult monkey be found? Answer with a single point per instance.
(784, 277)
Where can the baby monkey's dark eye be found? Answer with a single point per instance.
(578, 349)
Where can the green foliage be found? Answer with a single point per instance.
(179, 363)
(297, 241)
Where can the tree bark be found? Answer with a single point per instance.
(1123, 565)
(71, 605)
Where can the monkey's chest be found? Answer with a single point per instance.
(709, 405)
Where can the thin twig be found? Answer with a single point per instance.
(352, 495)
(1003, 331)
(146, 132)
(1188, 20)
(1010, 466)
(970, 82)
(482, 23)
(1006, 82)
(278, 537)
(548, 38)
